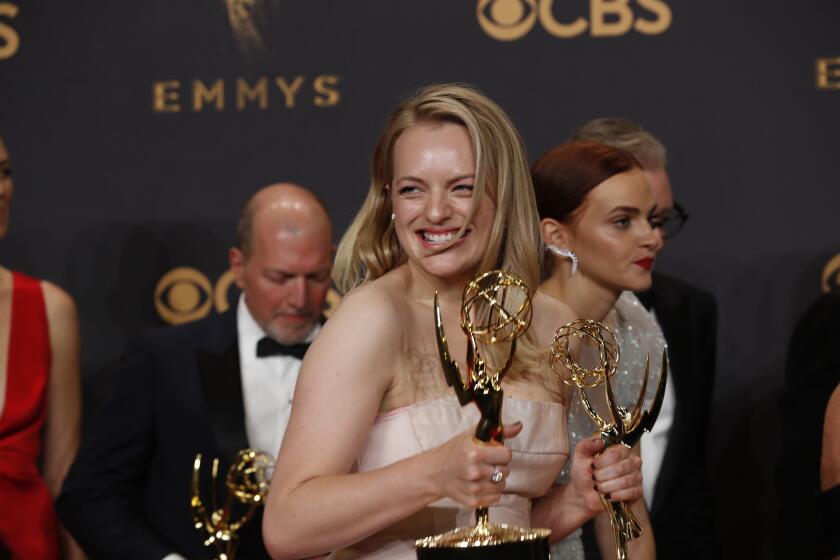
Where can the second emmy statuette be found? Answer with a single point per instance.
(625, 426)
(247, 485)
(495, 310)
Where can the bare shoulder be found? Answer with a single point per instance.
(61, 309)
(5, 280)
(832, 415)
(830, 459)
(361, 334)
(549, 315)
(353, 356)
(63, 325)
(380, 295)
(373, 308)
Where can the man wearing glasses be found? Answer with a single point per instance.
(674, 454)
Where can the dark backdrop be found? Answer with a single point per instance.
(139, 128)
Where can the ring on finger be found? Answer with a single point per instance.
(497, 475)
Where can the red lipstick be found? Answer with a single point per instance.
(646, 263)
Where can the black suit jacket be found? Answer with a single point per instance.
(177, 393)
(812, 373)
(681, 512)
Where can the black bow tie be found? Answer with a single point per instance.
(269, 347)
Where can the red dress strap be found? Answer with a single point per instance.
(27, 369)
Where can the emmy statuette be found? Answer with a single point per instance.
(625, 426)
(247, 485)
(495, 309)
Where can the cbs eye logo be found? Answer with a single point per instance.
(509, 20)
(185, 294)
(831, 275)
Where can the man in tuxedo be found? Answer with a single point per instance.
(674, 453)
(214, 386)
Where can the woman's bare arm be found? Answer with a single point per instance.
(644, 547)
(830, 458)
(314, 505)
(63, 389)
(61, 434)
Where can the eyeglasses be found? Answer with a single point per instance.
(671, 223)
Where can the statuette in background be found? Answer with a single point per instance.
(246, 483)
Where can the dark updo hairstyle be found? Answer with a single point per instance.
(565, 174)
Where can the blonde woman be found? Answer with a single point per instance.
(378, 452)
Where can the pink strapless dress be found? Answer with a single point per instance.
(539, 453)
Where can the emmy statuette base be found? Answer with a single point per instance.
(486, 542)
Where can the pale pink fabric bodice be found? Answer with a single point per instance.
(539, 453)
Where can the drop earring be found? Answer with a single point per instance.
(393, 216)
(566, 253)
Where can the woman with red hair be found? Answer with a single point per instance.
(596, 209)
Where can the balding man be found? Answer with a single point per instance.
(213, 387)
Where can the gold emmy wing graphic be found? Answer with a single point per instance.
(247, 483)
(495, 310)
(245, 18)
(625, 426)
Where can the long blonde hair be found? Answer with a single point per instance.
(369, 248)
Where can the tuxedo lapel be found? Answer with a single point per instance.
(221, 386)
(675, 327)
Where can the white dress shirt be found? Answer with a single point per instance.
(268, 385)
(655, 442)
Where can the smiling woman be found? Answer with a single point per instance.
(494, 162)
(432, 200)
(379, 452)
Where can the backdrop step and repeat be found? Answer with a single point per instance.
(138, 129)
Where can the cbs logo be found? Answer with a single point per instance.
(185, 294)
(9, 38)
(509, 20)
(831, 275)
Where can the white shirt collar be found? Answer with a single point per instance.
(250, 333)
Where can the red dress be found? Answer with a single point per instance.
(28, 526)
